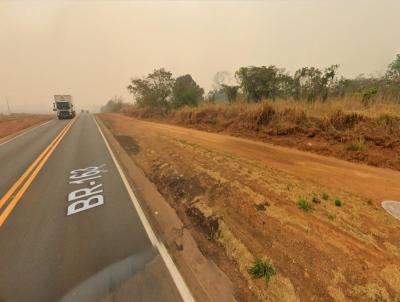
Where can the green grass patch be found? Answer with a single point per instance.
(262, 269)
(338, 202)
(304, 205)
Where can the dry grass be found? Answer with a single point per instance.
(347, 105)
(316, 109)
(341, 127)
(286, 117)
(311, 109)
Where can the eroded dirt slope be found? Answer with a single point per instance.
(242, 195)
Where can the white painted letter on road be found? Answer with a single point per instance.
(85, 198)
(82, 205)
(80, 193)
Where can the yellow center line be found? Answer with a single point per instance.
(16, 185)
(44, 156)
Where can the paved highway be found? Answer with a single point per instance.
(70, 227)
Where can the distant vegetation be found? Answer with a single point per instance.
(313, 110)
(162, 92)
(113, 105)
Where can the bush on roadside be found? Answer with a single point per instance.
(338, 202)
(262, 269)
(304, 205)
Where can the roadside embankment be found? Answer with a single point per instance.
(343, 128)
(316, 220)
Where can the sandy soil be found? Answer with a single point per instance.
(242, 196)
(12, 124)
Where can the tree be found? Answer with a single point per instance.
(231, 92)
(393, 71)
(113, 105)
(341, 86)
(186, 92)
(154, 90)
(311, 83)
(261, 82)
(224, 87)
(222, 78)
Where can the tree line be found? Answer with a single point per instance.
(161, 90)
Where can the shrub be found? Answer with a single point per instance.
(338, 202)
(391, 123)
(324, 196)
(264, 115)
(343, 121)
(262, 269)
(304, 205)
(257, 116)
(368, 94)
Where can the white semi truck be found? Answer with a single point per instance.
(64, 106)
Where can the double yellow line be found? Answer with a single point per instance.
(18, 189)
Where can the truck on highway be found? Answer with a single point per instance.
(64, 106)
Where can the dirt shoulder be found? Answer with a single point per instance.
(239, 198)
(11, 125)
(205, 280)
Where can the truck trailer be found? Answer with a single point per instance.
(64, 106)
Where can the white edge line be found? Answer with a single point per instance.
(25, 132)
(173, 270)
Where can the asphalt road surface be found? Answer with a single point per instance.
(69, 227)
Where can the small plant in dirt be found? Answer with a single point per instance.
(331, 216)
(315, 199)
(338, 202)
(325, 196)
(370, 201)
(262, 269)
(358, 145)
(304, 205)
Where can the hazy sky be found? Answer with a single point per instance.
(91, 49)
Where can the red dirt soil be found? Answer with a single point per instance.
(346, 135)
(243, 194)
(12, 124)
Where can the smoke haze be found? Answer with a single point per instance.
(90, 49)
